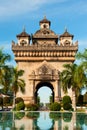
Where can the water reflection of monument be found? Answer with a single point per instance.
(43, 121)
(57, 121)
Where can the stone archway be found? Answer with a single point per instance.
(45, 75)
(42, 56)
(42, 84)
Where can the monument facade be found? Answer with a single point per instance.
(42, 56)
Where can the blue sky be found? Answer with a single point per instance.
(15, 14)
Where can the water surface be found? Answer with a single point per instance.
(43, 121)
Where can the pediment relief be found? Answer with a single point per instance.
(45, 71)
(45, 68)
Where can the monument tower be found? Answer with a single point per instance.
(42, 59)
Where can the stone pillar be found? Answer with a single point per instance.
(31, 91)
(56, 98)
(34, 91)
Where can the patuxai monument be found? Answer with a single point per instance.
(42, 56)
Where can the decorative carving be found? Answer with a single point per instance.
(45, 45)
(43, 70)
(23, 43)
(67, 43)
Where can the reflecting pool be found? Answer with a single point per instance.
(43, 121)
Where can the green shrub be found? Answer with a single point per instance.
(6, 101)
(18, 99)
(55, 106)
(20, 106)
(67, 103)
(67, 99)
(32, 107)
(80, 100)
(67, 106)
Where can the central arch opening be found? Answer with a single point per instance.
(44, 93)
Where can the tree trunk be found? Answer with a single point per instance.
(14, 100)
(74, 99)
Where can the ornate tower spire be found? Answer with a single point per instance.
(44, 16)
(45, 23)
(23, 38)
(24, 30)
(65, 29)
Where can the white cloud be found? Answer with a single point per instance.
(17, 7)
(11, 8)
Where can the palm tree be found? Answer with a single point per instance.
(6, 78)
(3, 67)
(17, 83)
(83, 58)
(4, 57)
(73, 77)
(83, 62)
(4, 72)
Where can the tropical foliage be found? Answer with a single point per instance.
(17, 82)
(10, 77)
(32, 107)
(55, 106)
(5, 71)
(18, 100)
(80, 100)
(67, 99)
(83, 58)
(4, 58)
(67, 103)
(83, 62)
(6, 101)
(20, 106)
(73, 77)
(51, 99)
